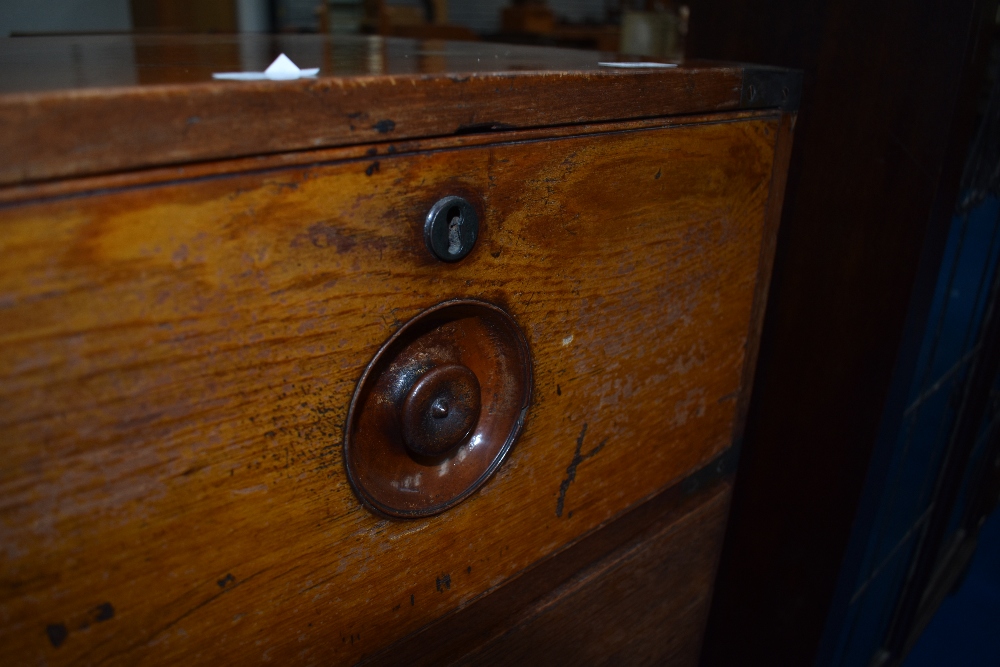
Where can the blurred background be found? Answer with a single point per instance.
(640, 27)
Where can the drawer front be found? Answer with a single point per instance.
(178, 360)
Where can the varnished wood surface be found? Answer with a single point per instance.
(177, 361)
(88, 105)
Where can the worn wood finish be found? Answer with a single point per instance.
(178, 359)
(369, 89)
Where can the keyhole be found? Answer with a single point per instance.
(451, 228)
(454, 230)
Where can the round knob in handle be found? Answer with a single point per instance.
(440, 410)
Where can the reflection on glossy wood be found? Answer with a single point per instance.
(178, 361)
(103, 61)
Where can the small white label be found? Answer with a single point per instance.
(639, 65)
(282, 69)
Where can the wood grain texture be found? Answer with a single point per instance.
(645, 604)
(369, 89)
(177, 362)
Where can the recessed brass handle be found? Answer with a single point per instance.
(437, 409)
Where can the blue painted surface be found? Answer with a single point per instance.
(965, 631)
(913, 447)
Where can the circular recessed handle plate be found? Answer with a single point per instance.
(437, 409)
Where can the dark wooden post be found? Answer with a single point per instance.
(886, 117)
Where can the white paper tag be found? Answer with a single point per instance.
(639, 65)
(282, 69)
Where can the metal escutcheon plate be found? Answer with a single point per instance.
(451, 229)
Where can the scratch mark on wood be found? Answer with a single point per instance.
(729, 397)
(578, 458)
(172, 623)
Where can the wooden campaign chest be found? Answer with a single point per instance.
(440, 357)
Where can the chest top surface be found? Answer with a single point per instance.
(76, 106)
